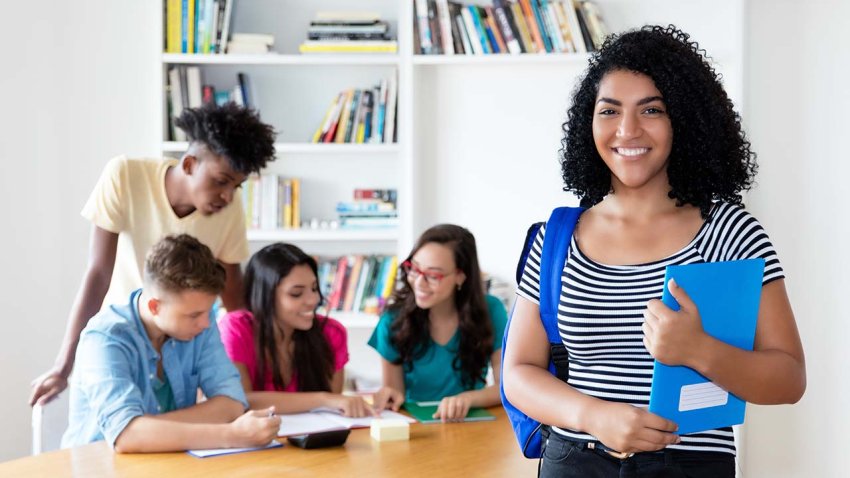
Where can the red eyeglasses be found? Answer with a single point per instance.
(432, 278)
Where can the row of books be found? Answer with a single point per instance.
(361, 116)
(187, 90)
(508, 26)
(197, 26)
(272, 201)
(357, 283)
(348, 32)
(373, 208)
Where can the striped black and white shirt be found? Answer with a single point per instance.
(601, 311)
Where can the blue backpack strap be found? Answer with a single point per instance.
(556, 244)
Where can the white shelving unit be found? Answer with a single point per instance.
(477, 135)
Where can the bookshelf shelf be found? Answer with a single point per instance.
(323, 235)
(521, 59)
(354, 320)
(276, 59)
(307, 148)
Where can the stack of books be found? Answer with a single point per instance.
(372, 208)
(444, 27)
(348, 32)
(361, 116)
(186, 89)
(250, 43)
(197, 26)
(272, 202)
(357, 283)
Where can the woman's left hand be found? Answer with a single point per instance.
(453, 409)
(673, 337)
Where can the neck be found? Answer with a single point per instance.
(176, 191)
(443, 312)
(156, 336)
(283, 334)
(640, 204)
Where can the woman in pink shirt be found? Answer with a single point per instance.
(288, 356)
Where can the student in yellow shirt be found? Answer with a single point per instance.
(138, 201)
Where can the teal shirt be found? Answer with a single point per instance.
(432, 376)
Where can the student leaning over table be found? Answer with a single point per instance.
(138, 201)
(140, 364)
(288, 356)
(440, 331)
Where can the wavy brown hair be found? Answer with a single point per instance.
(410, 331)
(312, 359)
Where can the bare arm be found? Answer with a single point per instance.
(231, 296)
(157, 433)
(773, 372)
(298, 402)
(542, 396)
(455, 408)
(218, 409)
(391, 394)
(95, 284)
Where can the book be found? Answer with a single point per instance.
(326, 419)
(424, 412)
(727, 295)
(575, 27)
(348, 46)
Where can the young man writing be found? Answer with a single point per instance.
(138, 201)
(139, 365)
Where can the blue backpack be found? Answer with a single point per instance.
(559, 230)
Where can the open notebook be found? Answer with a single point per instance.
(326, 419)
(424, 412)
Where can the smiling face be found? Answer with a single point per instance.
(212, 181)
(632, 131)
(433, 275)
(296, 298)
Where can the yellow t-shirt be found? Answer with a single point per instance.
(129, 199)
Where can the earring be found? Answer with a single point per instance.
(459, 286)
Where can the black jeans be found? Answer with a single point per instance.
(563, 458)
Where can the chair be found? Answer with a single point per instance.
(49, 423)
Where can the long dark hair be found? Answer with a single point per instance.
(311, 359)
(410, 330)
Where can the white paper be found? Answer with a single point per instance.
(326, 419)
(228, 451)
(701, 395)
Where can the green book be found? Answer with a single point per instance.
(424, 412)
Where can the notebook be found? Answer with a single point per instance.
(727, 295)
(424, 412)
(326, 419)
(229, 451)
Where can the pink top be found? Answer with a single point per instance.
(237, 334)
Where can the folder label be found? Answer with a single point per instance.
(702, 395)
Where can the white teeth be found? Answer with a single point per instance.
(631, 151)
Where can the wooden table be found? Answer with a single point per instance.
(464, 450)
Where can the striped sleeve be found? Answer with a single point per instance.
(738, 235)
(529, 284)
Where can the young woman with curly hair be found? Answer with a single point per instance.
(440, 331)
(655, 150)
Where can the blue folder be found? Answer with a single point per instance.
(727, 295)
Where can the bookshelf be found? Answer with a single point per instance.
(478, 135)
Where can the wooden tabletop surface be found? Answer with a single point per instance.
(436, 450)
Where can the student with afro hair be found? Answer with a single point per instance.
(138, 201)
(655, 150)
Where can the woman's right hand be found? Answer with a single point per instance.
(254, 428)
(388, 397)
(350, 406)
(629, 429)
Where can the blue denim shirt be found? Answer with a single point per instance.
(115, 369)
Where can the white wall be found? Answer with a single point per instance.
(78, 81)
(797, 117)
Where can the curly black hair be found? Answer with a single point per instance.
(710, 157)
(231, 131)
(410, 329)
